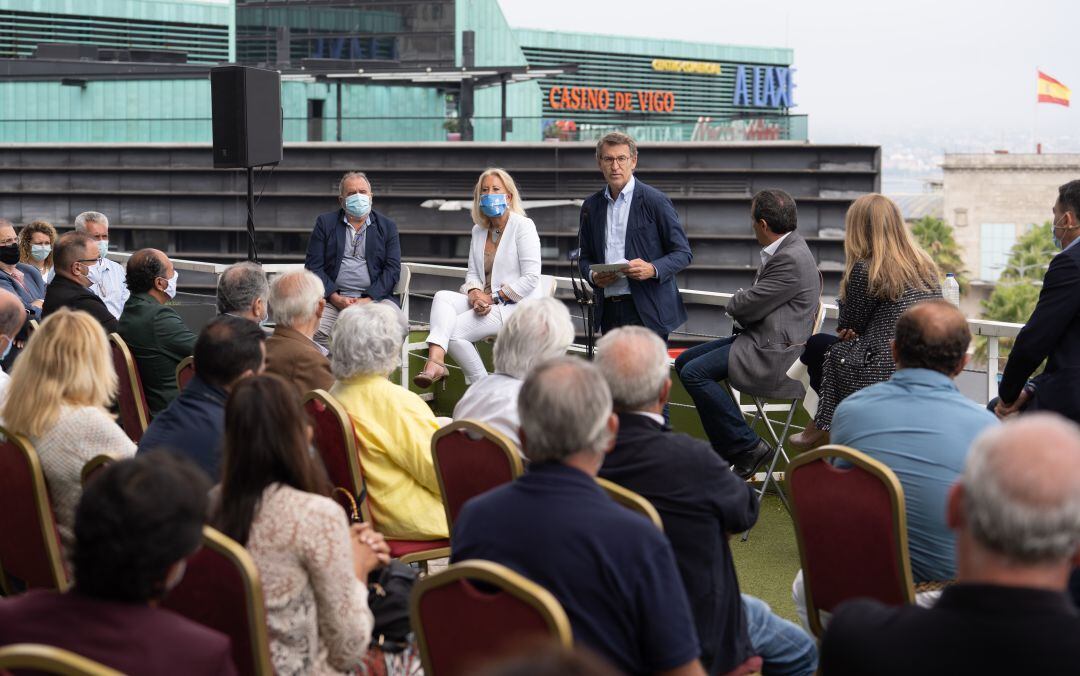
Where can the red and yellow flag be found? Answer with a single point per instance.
(1052, 91)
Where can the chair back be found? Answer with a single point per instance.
(335, 440)
(221, 590)
(459, 625)
(851, 530)
(631, 500)
(471, 458)
(131, 399)
(47, 659)
(29, 541)
(95, 465)
(548, 284)
(185, 371)
(404, 279)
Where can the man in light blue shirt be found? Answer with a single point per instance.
(618, 212)
(108, 278)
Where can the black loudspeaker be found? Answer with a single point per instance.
(246, 106)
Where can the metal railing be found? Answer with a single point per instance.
(993, 331)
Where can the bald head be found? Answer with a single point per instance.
(12, 314)
(932, 335)
(634, 362)
(145, 267)
(1021, 490)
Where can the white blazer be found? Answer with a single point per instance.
(516, 268)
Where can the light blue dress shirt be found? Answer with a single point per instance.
(919, 425)
(353, 277)
(108, 280)
(618, 213)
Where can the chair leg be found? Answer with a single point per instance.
(779, 440)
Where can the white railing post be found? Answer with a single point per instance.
(991, 367)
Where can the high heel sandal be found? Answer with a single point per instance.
(424, 380)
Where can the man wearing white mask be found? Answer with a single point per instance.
(354, 251)
(73, 258)
(155, 334)
(107, 277)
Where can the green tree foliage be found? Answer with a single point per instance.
(936, 238)
(1017, 290)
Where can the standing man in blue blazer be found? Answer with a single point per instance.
(354, 251)
(632, 223)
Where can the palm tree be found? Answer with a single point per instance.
(936, 238)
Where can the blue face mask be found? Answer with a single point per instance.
(40, 251)
(493, 204)
(357, 205)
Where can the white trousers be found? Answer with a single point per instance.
(798, 594)
(455, 327)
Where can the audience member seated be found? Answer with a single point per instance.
(136, 524)
(504, 269)
(355, 252)
(12, 318)
(701, 503)
(75, 253)
(193, 425)
(886, 273)
(1052, 334)
(21, 279)
(297, 302)
(776, 316)
(313, 566)
(1016, 514)
(155, 334)
(36, 241)
(108, 276)
(611, 569)
(57, 397)
(921, 427)
(242, 291)
(394, 424)
(540, 330)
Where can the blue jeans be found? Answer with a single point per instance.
(700, 369)
(783, 646)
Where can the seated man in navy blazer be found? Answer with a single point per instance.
(354, 251)
(634, 223)
(1053, 331)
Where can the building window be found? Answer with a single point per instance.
(995, 242)
(960, 218)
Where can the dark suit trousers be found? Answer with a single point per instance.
(700, 369)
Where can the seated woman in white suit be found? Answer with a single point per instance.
(504, 269)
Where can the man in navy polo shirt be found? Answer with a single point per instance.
(611, 569)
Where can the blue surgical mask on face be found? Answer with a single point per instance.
(103, 248)
(40, 251)
(357, 205)
(493, 204)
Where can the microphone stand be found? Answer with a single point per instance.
(585, 298)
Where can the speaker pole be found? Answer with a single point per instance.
(253, 254)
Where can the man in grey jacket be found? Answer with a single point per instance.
(774, 317)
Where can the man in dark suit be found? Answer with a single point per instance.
(1053, 332)
(193, 425)
(1017, 537)
(701, 502)
(73, 255)
(355, 252)
(298, 303)
(633, 223)
(136, 524)
(775, 317)
(154, 332)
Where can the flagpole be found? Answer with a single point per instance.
(1035, 115)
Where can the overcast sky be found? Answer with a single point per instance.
(943, 68)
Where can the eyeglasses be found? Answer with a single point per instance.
(621, 160)
(87, 260)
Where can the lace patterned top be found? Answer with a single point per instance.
(79, 434)
(316, 609)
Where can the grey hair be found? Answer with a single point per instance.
(12, 314)
(634, 362)
(564, 406)
(616, 138)
(240, 285)
(540, 329)
(1026, 517)
(366, 340)
(354, 174)
(295, 296)
(90, 217)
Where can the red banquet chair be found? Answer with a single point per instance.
(185, 371)
(134, 411)
(339, 446)
(471, 458)
(29, 541)
(851, 529)
(221, 590)
(37, 658)
(458, 625)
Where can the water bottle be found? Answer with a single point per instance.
(951, 289)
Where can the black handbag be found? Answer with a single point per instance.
(389, 588)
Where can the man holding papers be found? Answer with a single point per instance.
(632, 245)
